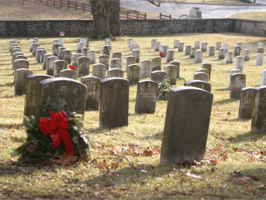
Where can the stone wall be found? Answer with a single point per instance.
(74, 28)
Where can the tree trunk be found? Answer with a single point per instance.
(100, 12)
(114, 17)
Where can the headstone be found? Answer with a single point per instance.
(258, 114)
(133, 73)
(99, 70)
(204, 46)
(238, 81)
(240, 63)
(186, 125)
(229, 57)
(259, 59)
(261, 50)
(135, 47)
(83, 66)
(221, 54)
(15, 55)
(198, 56)
(50, 65)
(246, 55)
(202, 76)
(60, 52)
(249, 47)
(205, 71)
(104, 59)
(131, 44)
(171, 73)
(211, 50)
(21, 57)
(20, 63)
(245, 104)
(93, 84)
(208, 67)
(233, 71)
(164, 50)
(45, 60)
(67, 56)
(20, 80)
(180, 46)
(146, 97)
(117, 54)
(79, 47)
(61, 42)
(116, 63)
(263, 78)
(145, 69)
(115, 72)
(239, 44)
(153, 43)
(199, 84)
(75, 59)
(30, 104)
(170, 55)
(114, 102)
(106, 50)
(128, 42)
(218, 45)
(52, 90)
(56, 41)
(176, 42)
(40, 55)
(129, 61)
(55, 48)
(237, 51)
(177, 64)
(92, 56)
(109, 43)
(136, 54)
(84, 51)
(187, 50)
(156, 47)
(58, 66)
(158, 76)
(260, 45)
(192, 52)
(226, 47)
(197, 44)
(36, 40)
(156, 63)
(68, 73)
(31, 42)
(34, 49)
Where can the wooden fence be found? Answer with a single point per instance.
(164, 16)
(132, 15)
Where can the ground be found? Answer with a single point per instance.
(250, 15)
(234, 165)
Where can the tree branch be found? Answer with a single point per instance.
(154, 3)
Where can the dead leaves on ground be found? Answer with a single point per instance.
(65, 159)
(242, 178)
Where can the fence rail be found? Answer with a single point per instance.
(128, 15)
(164, 16)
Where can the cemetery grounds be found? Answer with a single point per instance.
(124, 161)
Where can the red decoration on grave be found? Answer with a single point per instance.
(56, 127)
(72, 67)
(161, 54)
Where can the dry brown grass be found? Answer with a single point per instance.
(218, 2)
(250, 15)
(230, 141)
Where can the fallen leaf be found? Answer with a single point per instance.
(212, 170)
(148, 152)
(241, 181)
(65, 159)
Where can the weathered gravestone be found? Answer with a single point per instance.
(129, 61)
(79, 47)
(136, 54)
(114, 100)
(201, 76)
(83, 66)
(192, 52)
(240, 63)
(67, 55)
(60, 52)
(156, 63)
(263, 78)
(15, 55)
(258, 114)
(116, 63)
(92, 56)
(153, 43)
(177, 64)
(135, 47)
(157, 45)
(226, 47)
(99, 70)
(145, 69)
(50, 65)
(164, 50)
(218, 45)
(205, 71)
(221, 53)
(31, 94)
(233, 71)
(239, 44)
(115, 72)
(129, 42)
(186, 125)
(187, 50)
(93, 84)
(261, 50)
(199, 84)
(58, 66)
(55, 49)
(117, 54)
(133, 73)
(40, 55)
(104, 59)
(21, 57)
(68, 73)
(158, 76)
(84, 51)
(170, 55)
(211, 50)
(20, 63)
(260, 45)
(146, 97)
(259, 59)
(75, 59)
(197, 44)
(176, 42)
(204, 46)
(45, 60)
(229, 57)
(61, 41)
(198, 56)
(237, 51)
(249, 47)
(208, 67)
(20, 80)
(34, 49)
(106, 50)
(171, 73)
(246, 102)
(246, 55)
(68, 92)
(238, 81)
(180, 46)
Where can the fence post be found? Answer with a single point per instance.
(145, 16)
(76, 5)
(84, 7)
(68, 4)
(127, 14)
(137, 16)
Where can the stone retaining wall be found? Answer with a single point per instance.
(74, 28)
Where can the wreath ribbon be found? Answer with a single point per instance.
(56, 127)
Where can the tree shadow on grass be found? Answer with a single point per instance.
(248, 136)
(225, 101)
(222, 89)
(156, 136)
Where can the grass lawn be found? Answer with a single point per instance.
(235, 157)
(250, 15)
(219, 2)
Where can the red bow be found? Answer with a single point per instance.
(56, 128)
